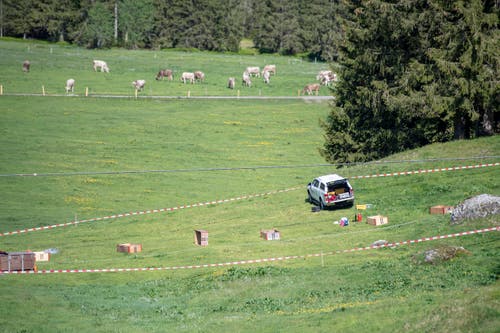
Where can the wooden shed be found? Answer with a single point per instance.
(17, 261)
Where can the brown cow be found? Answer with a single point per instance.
(231, 82)
(310, 88)
(165, 73)
(199, 76)
(26, 66)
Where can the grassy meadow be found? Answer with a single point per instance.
(96, 157)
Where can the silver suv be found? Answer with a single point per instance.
(330, 190)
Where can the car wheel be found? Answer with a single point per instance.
(309, 197)
(321, 205)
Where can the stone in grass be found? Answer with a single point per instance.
(479, 206)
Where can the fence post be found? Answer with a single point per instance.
(86, 91)
(298, 92)
(43, 90)
(135, 93)
(238, 93)
(189, 93)
(1, 89)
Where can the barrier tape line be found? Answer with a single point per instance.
(254, 261)
(244, 197)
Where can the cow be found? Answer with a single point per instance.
(253, 71)
(70, 85)
(326, 77)
(246, 79)
(187, 76)
(102, 65)
(165, 73)
(270, 69)
(231, 82)
(139, 84)
(266, 76)
(26, 66)
(310, 88)
(199, 76)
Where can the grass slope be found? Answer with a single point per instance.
(376, 290)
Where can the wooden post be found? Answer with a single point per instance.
(135, 93)
(238, 93)
(86, 91)
(43, 90)
(1, 89)
(189, 93)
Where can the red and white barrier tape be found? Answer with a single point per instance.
(22, 231)
(253, 261)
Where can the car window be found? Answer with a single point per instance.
(322, 186)
(315, 183)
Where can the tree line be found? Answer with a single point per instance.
(412, 72)
(286, 27)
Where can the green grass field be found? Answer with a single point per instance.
(96, 157)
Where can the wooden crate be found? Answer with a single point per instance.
(201, 237)
(129, 248)
(272, 234)
(441, 209)
(377, 220)
(17, 261)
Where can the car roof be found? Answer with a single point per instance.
(330, 178)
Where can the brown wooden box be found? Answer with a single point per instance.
(201, 237)
(441, 209)
(129, 248)
(377, 220)
(17, 261)
(272, 234)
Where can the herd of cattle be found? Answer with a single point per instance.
(325, 77)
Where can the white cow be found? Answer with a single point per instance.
(102, 65)
(231, 82)
(139, 84)
(199, 76)
(70, 85)
(253, 71)
(326, 77)
(266, 76)
(246, 79)
(187, 76)
(270, 69)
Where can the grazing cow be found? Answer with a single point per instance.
(253, 71)
(266, 76)
(26, 66)
(165, 73)
(326, 77)
(231, 82)
(310, 88)
(102, 65)
(139, 84)
(187, 76)
(70, 85)
(246, 79)
(199, 76)
(270, 69)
